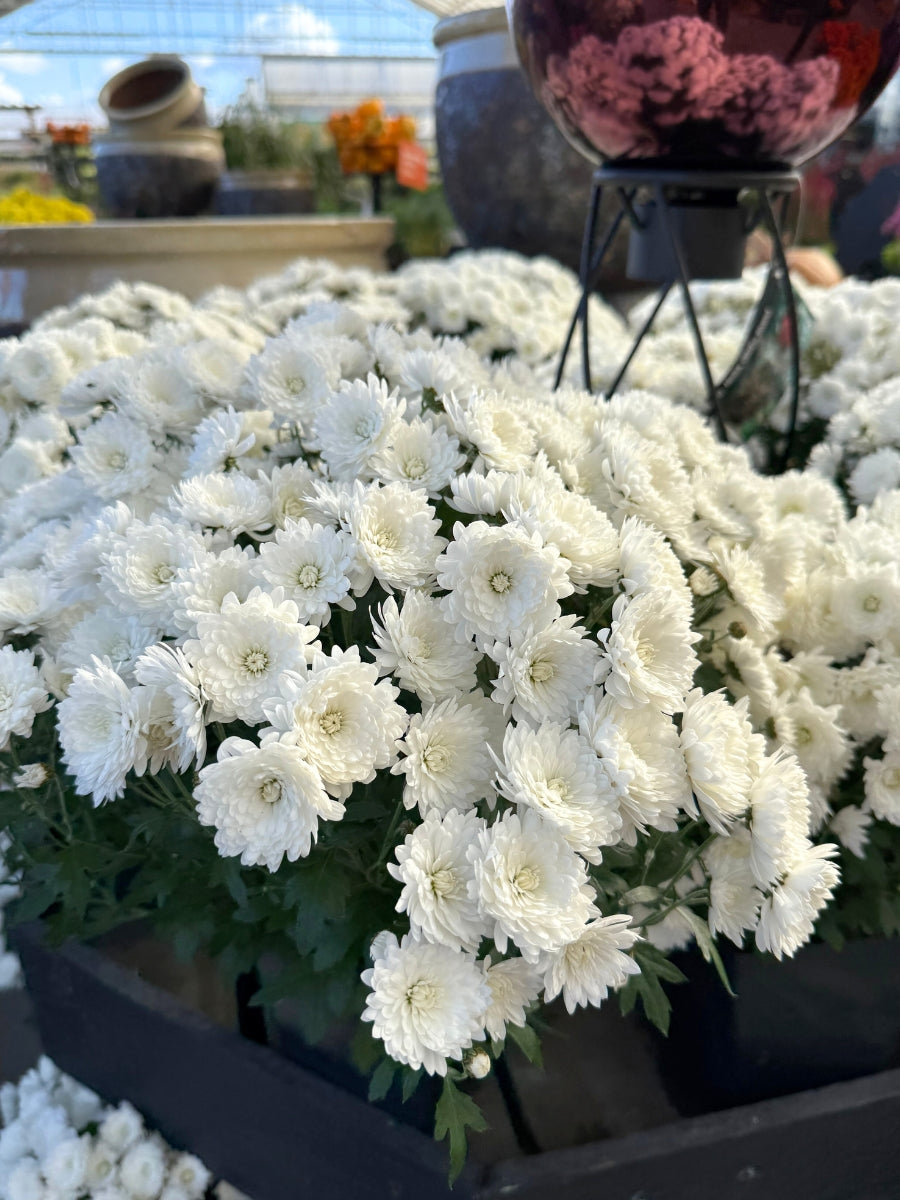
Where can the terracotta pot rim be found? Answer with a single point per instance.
(154, 107)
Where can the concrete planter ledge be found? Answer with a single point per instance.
(42, 266)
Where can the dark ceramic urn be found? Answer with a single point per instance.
(511, 179)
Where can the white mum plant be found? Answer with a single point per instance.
(59, 1139)
(344, 642)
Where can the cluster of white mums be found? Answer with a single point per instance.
(367, 549)
(59, 1142)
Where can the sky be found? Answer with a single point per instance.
(66, 85)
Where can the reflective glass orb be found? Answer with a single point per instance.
(715, 84)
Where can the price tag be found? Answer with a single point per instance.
(412, 166)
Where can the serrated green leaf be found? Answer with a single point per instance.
(411, 1080)
(237, 889)
(527, 1041)
(707, 944)
(382, 1078)
(455, 1113)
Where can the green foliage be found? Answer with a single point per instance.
(655, 970)
(455, 1113)
(255, 139)
(890, 257)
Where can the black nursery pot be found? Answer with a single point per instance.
(821, 1017)
(279, 1132)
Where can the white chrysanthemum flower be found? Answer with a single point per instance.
(416, 646)
(201, 585)
(116, 457)
(292, 377)
(23, 694)
(143, 1170)
(435, 873)
(224, 500)
(189, 1174)
(514, 985)
(584, 535)
(882, 784)
(31, 775)
(779, 816)
(647, 562)
(39, 369)
(494, 425)
(446, 756)
(64, 1169)
(427, 1003)
(106, 633)
(531, 884)
(343, 720)
(24, 1180)
(138, 567)
(102, 1166)
(313, 564)
(734, 897)
(545, 674)
(353, 424)
(242, 653)
(555, 771)
(157, 392)
(166, 669)
(875, 473)
(500, 579)
(584, 970)
(102, 731)
(788, 914)
(418, 455)
(630, 475)
(122, 1128)
(292, 492)
(868, 601)
(265, 802)
(650, 649)
(482, 495)
(816, 737)
(27, 599)
(641, 757)
(397, 534)
(851, 825)
(722, 755)
(227, 439)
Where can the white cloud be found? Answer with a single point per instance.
(23, 64)
(112, 66)
(9, 93)
(202, 62)
(294, 23)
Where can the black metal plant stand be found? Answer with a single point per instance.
(688, 225)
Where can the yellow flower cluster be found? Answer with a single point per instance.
(24, 207)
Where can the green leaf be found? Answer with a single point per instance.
(455, 1113)
(237, 889)
(527, 1041)
(382, 1078)
(411, 1080)
(708, 947)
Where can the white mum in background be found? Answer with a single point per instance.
(555, 771)
(313, 564)
(435, 872)
(23, 693)
(102, 731)
(446, 757)
(265, 802)
(545, 674)
(514, 985)
(416, 646)
(343, 720)
(499, 579)
(242, 653)
(584, 970)
(531, 884)
(427, 1002)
